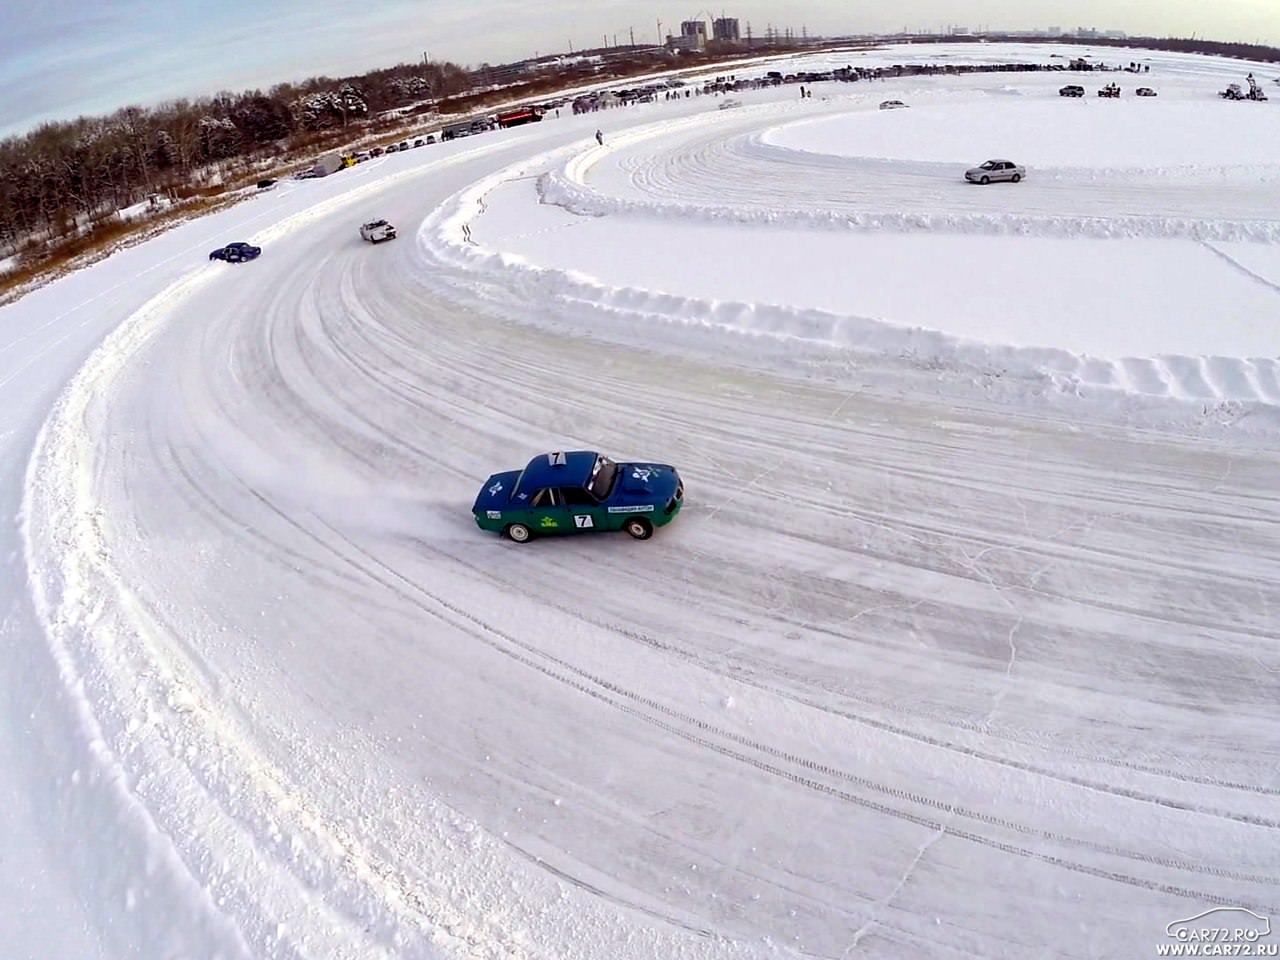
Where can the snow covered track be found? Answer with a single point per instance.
(1147, 272)
(939, 660)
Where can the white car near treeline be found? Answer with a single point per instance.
(375, 231)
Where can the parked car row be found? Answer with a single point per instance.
(1110, 91)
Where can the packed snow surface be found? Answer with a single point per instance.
(965, 643)
(1046, 131)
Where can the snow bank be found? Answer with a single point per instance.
(559, 189)
(791, 332)
(1092, 337)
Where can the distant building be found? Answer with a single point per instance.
(697, 30)
(502, 75)
(1055, 31)
(725, 29)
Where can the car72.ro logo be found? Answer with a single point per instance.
(1201, 935)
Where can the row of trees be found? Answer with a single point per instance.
(61, 177)
(1218, 48)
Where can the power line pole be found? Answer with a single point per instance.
(633, 36)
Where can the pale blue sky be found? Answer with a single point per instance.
(62, 58)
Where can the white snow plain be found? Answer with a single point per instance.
(964, 645)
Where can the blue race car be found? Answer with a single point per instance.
(579, 492)
(236, 252)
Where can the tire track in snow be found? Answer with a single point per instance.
(613, 693)
(689, 655)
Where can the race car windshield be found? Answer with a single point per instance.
(602, 477)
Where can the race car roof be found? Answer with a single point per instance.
(559, 469)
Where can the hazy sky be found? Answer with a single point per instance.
(62, 58)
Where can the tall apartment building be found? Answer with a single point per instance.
(694, 33)
(725, 29)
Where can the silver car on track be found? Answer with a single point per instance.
(994, 170)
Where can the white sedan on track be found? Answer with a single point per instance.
(994, 170)
(375, 231)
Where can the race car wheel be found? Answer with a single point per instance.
(1017, 177)
(519, 532)
(639, 528)
(985, 181)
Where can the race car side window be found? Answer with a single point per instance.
(546, 497)
(578, 497)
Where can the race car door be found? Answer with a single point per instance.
(583, 510)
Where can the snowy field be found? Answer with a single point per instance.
(965, 644)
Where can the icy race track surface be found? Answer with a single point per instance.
(932, 664)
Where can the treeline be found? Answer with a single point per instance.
(1218, 48)
(62, 178)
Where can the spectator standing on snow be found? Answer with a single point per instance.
(600, 138)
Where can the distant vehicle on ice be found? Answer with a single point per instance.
(237, 252)
(892, 105)
(1111, 90)
(579, 491)
(375, 231)
(1071, 90)
(518, 116)
(1233, 91)
(995, 170)
(331, 163)
(729, 104)
(1145, 92)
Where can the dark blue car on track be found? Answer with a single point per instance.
(579, 491)
(235, 252)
